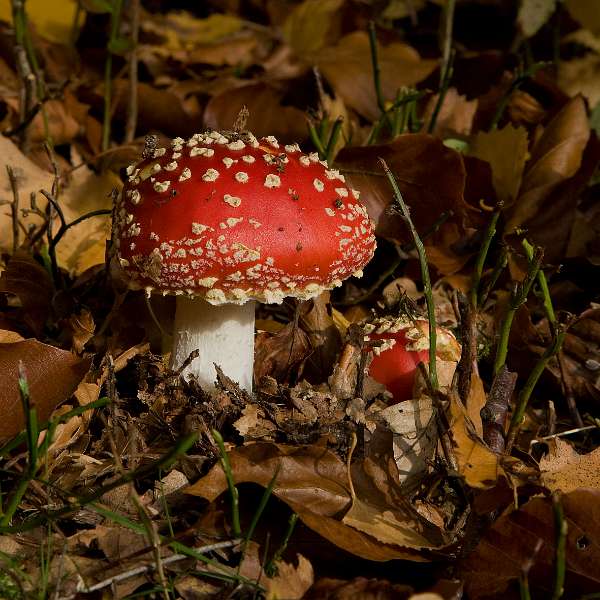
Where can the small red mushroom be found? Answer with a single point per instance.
(405, 345)
(224, 219)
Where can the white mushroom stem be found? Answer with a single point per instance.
(222, 334)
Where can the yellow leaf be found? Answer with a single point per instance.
(84, 244)
(506, 151)
(475, 461)
(52, 20)
(306, 29)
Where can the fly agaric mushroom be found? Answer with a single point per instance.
(405, 343)
(224, 219)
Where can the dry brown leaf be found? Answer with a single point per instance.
(455, 116)
(431, 178)
(53, 375)
(311, 25)
(316, 320)
(506, 152)
(347, 67)
(291, 581)
(26, 279)
(267, 115)
(479, 465)
(389, 527)
(564, 470)
(492, 571)
(280, 355)
(555, 157)
(311, 476)
(313, 482)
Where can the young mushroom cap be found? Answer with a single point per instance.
(230, 218)
(405, 343)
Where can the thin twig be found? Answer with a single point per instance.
(150, 567)
(446, 78)
(489, 234)
(14, 207)
(493, 414)
(448, 13)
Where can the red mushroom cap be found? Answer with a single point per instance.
(405, 345)
(231, 218)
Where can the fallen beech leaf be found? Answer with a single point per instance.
(313, 482)
(280, 355)
(563, 469)
(555, 157)
(291, 581)
(455, 116)
(431, 178)
(267, 115)
(479, 465)
(53, 375)
(385, 526)
(492, 571)
(26, 279)
(347, 67)
(309, 26)
(506, 151)
(312, 477)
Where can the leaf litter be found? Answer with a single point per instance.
(128, 479)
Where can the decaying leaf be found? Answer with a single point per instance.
(347, 67)
(52, 374)
(555, 157)
(564, 470)
(291, 582)
(479, 465)
(533, 14)
(515, 538)
(431, 178)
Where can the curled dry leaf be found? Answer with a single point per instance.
(492, 571)
(280, 355)
(479, 465)
(564, 470)
(347, 67)
(555, 157)
(313, 482)
(267, 115)
(53, 375)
